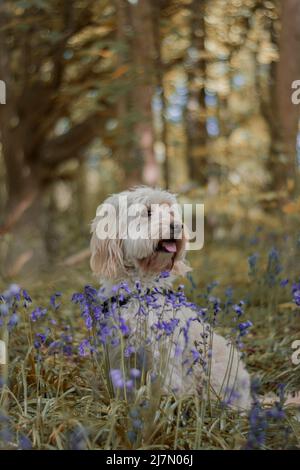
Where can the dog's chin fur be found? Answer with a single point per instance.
(115, 261)
(158, 261)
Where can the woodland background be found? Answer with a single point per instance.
(192, 95)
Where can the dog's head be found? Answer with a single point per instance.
(141, 231)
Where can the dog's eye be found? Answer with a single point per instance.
(149, 212)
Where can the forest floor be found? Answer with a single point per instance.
(56, 401)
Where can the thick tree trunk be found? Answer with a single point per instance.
(144, 55)
(159, 68)
(125, 138)
(25, 244)
(196, 108)
(283, 116)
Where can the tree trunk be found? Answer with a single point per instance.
(26, 246)
(283, 114)
(196, 108)
(144, 56)
(125, 136)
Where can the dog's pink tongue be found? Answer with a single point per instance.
(170, 246)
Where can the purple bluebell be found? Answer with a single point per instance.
(38, 313)
(53, 300)
(135, 373)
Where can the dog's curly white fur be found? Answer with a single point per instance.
(116, 260)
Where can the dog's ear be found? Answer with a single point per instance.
(106, 255)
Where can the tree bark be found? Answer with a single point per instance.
(144, 59)
(196, 108)
(283, 116)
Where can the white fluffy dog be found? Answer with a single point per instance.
(117, 259)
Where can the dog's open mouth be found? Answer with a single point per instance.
(167, 246)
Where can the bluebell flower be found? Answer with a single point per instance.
(117, 378)
(138, 286)
(38, 313)
(178, 351)
(259, 418)
(88, 321)
(129, 350)
(115, 341)
(238, 308)
(53, 300)
(258, 424)
(54, 347)
(104, 332)
(167, 326)
(24, 443)
(13, 321)
(40, 339)
(231, 396)
(135, 373)
(84, 348)
(137, 424)
(90, 292)
(195, 354)
(125, 286)
(97, 311)
(129, 384)
(78, 298)
(284, 282)
(164, 275)
(274, 267)
(4, 310)
(14, 290)
(244, 326)
(27, 298)
(77, 439)
(296, 294)
(252, 262)
(124, 328)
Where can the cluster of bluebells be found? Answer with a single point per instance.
(102, 317)
(274, 267)
(261, 419)
(14, 301)
(119, 381)
(9, 439)
(43, 341)
(107, 326)
(10, 301)
(136, 422)
(252, 263)
(78, 438)
(242, 327)
(296, 293)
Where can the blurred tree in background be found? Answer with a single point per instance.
(191, 95)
